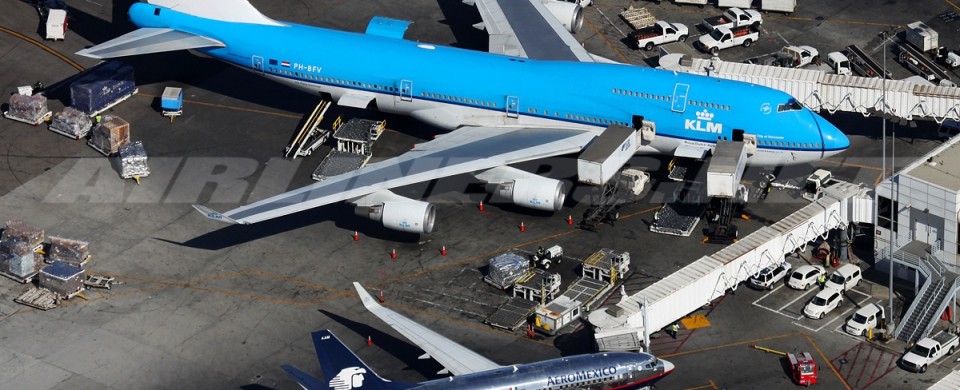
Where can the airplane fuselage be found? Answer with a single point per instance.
(450, 87)
(615, 370)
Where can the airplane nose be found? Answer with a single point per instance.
(667, 366)
(834, 141)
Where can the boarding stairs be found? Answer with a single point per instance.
(931, 300)
(310, 136)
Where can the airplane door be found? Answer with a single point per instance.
(680, 97)
(257, 63)
(513, 106)
(406, 90)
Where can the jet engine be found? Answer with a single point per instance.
(524, 189)
(570, 15)
(397, 212)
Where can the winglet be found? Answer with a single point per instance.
(365, 296)
(209, 213)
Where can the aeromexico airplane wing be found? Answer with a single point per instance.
(464, 150)
(526, 28)
(454, 357)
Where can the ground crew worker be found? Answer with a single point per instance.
(822, 279)
(674, 329)
(99, 118)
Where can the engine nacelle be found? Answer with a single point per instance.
(570, 15)
(540, 194)
(411, 216)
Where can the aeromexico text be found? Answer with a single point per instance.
(581, 376)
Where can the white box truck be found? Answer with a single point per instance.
(726, 169)
(606, 155)
(922, 36)
(56, 24)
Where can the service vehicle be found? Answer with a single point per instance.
(723, 38)
(928, 350)
(732, 18)
(769, 276)
(658, 34)
(789, 57)
(634, 180)
(868, 317)
(839, 63)
(546, 257)
(845, 278)
(813, 189)
(805, 276)
(803, 368)
(822, 303)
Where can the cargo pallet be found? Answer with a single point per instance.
(347, 162)
(36, 122)
(80, 264)
(39, 298)
(678, 219)
(21, 280)
(69, 135)
(638, 17)
(114, 103)
(512, 314)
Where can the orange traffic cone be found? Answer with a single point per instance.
(481, 205)
(356, 235)
(522, 228)
(443, 250)
(381, 296)
(393, 253)
(569, 220)
(369, 341)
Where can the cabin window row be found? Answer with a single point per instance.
(708, 105)
(458, 99)
(332, 80)
(790, 144)
(584, 118)
(641, 95)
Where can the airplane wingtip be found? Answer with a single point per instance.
(210, 213)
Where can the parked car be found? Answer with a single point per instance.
(768, 277)
(805, 276)
(868, 317)
(823, 303)
(845, 277)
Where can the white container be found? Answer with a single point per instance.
(734, 3)
(606, 155)
(56, 24)
(778, 5)
(922, 36)
(726, 169)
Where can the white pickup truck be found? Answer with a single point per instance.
(658, 34)
(929, 350)
(722, 38)
(734, 17)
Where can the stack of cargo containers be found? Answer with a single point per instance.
(16, 231)
(30, 109)
(63, 279)
(22, 262)
(103, 87)
(71, 123)
(505, 269)
(108, 136)
(73, 252)
(133, 161)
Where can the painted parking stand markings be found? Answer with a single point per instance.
(833, 317)
(782, 301)
(864, 364)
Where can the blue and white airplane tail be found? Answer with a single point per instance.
(342, 369)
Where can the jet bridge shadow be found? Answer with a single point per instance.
(461, 18)
(400, 349)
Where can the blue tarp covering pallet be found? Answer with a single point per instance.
(103, 87)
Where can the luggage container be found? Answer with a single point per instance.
(133, 161)
(102, 88)
(29, 109)
(606, 155)
(505, 269)
(108, 136)
(56, 24)
(63, 279)
(171, 102)
(922, 36)
(73, 252)
(22, 263)
(71, 123)
(785, 6)
(18, 232)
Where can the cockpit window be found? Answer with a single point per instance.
(792, 105)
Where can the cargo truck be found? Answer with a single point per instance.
(658, 34)
(732, 18)
(723, 38)
(606, 155)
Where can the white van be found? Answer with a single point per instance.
(868, 317)
(844, 278)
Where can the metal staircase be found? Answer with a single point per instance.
(940, 284)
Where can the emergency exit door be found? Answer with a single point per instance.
(513, 106)
(679, 103)
(257, 63)
(406, 90)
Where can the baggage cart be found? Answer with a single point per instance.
(29, 109)
(71, 123)
(39, 298)
(171, 103)
(108, 136)
(133, 161)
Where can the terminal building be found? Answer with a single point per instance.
(918, 226)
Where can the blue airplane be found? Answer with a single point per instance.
(343, 370)
(537, 93)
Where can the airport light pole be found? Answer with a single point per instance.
(893, 234)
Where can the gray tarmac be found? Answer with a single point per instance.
(205, 305)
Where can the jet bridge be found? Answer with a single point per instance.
(622, 326)
(820, 90)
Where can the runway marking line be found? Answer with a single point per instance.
(253, 110)
(709, 385)
(605, 40)
(44, 47)
(885, 356)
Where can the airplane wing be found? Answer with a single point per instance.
(454, 357)
(526, 28)
(464, 150)
(148, 40)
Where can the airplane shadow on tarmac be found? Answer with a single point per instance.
(400, 349)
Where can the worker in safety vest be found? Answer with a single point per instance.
(822, 279)
(674, 329)
(99, 118)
